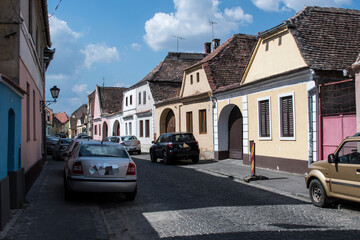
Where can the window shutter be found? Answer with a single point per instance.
(264, 118)
(287, 117)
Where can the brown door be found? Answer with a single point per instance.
(170, 122)
(235, 134)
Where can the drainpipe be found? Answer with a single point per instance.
(311, 93)
(213, 106)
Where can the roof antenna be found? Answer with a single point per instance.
(177, 42)
(212, 27)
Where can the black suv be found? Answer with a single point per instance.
(173, 146)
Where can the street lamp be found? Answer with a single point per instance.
(54, 93)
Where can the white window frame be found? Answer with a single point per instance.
(292, 94)
(259, 122)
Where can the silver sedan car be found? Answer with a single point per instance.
(100, 167)
(131, 143)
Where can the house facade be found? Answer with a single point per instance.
(60, 121)
(24, 58)
(77, 121)
(107, 109)
(286, 94)
(49, 120)
(193, 110)
(10, 118)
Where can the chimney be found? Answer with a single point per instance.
(207, 47)
(216, 43)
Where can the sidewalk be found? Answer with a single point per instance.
(288, 184)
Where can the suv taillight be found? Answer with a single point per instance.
(139, 142)
(131, 169)
(77, 168)
(122, 143)
(170, 145)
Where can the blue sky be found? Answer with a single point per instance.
(121, 41)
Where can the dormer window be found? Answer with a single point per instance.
(280, 40)
(266, 46)
(130, 99)
(197, 77)
(191, 79)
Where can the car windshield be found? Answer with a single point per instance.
(182, 138)
(101, 150)
(66, 141)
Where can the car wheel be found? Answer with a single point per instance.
(131, 195)
(166, 158)
(318, 194)
(152, 157)
(195, 159)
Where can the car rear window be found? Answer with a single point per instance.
(98, 150)
(182, 138)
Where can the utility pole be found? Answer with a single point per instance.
(177, 42)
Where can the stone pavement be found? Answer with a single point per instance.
(288, 184)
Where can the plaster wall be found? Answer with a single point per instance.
(195, 88)
(275, 54)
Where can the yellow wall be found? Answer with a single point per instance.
(205, 140)
(278, 58)
(292, 149)
(196, 88)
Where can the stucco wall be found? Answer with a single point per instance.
(205, 139)
(10, 100)
(195, 88)
(277, 59)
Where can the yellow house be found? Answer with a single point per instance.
(278, 97)
(193, 110)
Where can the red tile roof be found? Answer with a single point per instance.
(62, 117)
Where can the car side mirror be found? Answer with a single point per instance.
(332, 158)
(152, 142)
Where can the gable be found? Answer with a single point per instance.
(275, 54)
(195, 82)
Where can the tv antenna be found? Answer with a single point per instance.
(212, 27)
(177, 42)
(103, 81)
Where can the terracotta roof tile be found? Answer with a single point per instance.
(226, 64)
(328, 38)
(111, 99)
(62, 117)
(170, 70)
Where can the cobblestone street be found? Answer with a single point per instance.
(181, 203)
(177, 202)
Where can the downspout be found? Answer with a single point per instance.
(213, 106)
(311, 93)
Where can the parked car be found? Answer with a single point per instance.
(131, 143)
(50, 143)
(82, 136)
(94, 166)
(61, 147)
(173, 146)
(338, 177)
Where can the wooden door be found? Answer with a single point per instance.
(235, 134)
(170, 122)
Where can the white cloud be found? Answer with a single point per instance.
(136, 46)
(297, 5)
(99, 53)
(56, 76)
(79, 88)
(192, 25)
(60, 29)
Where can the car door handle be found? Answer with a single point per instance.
(357, 171)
